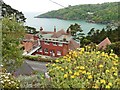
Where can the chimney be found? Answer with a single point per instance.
(54, 29)
(41, 29)
(68, 31)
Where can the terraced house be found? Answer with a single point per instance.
(54, 44)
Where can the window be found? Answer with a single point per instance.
(54, 43)
(46, 42)
(60, 44)
(46, 50)
(59, 53)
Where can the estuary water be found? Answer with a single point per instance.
(49, 23)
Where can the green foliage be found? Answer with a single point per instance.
(30, 30)
(115, 47)
(32, 81)
(96, 36)
(39, 58)
(10, 12)
(100, 13)
(74, 29)
(85, 69)
(12, 33)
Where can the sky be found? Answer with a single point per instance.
(43, 6)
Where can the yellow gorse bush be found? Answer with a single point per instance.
(85, 69)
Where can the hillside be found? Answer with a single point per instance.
(99, 13)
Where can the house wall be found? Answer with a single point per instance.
(28, 45)
(51, 47)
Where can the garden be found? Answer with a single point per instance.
(82, 68)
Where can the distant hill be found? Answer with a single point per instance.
(98, 13)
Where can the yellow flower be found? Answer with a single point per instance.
(88, 73)
(80, 71)
(64, 57)
(82, 67)
(82, 49)
(83, 72)
(72, 76)
(100, 66)
(66, 67)
(76, 73)
(90, 60)
(115, 74)
(90, 77)
(102, 81)
(57, 60)
(70, 71)
(107, 71)
(53, 64)
(62, 69)
(95, 86)
(46, 65)
(70, 52)
(115, 63)
(107, 86)
(68, 59)
(110, 84)
(102, 54)
(74, 62)
(116, 56)
(65, 75)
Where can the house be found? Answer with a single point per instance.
(104, 43)
(54, 44)
(29, 42)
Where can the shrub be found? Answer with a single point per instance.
(115, 47)
(85, 69)
(29, 81)
(39, 58)
(7, 81)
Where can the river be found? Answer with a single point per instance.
(49, 23)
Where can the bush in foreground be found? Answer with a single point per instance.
(85, 69)
(8, 81)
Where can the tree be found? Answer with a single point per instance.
(12, 33)
(10, 12)
(30, 30)
(76, 31)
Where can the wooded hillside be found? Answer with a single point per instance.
(99, 13)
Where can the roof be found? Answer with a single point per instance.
(28, 36)
(73, 45)
(58, 34)
(24, 69)
(104, 43)
(47, 32)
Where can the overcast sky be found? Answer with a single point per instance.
(46, 5)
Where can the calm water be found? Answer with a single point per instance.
(49, 23)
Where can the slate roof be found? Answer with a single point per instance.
(104, 43)
(24, 69)
(58, 34)
(73, 45)
(28, 67)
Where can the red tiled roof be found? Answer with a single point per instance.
(58, 34)
(104, 43)
(28, 36)
(47, 32)
(73, 45)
